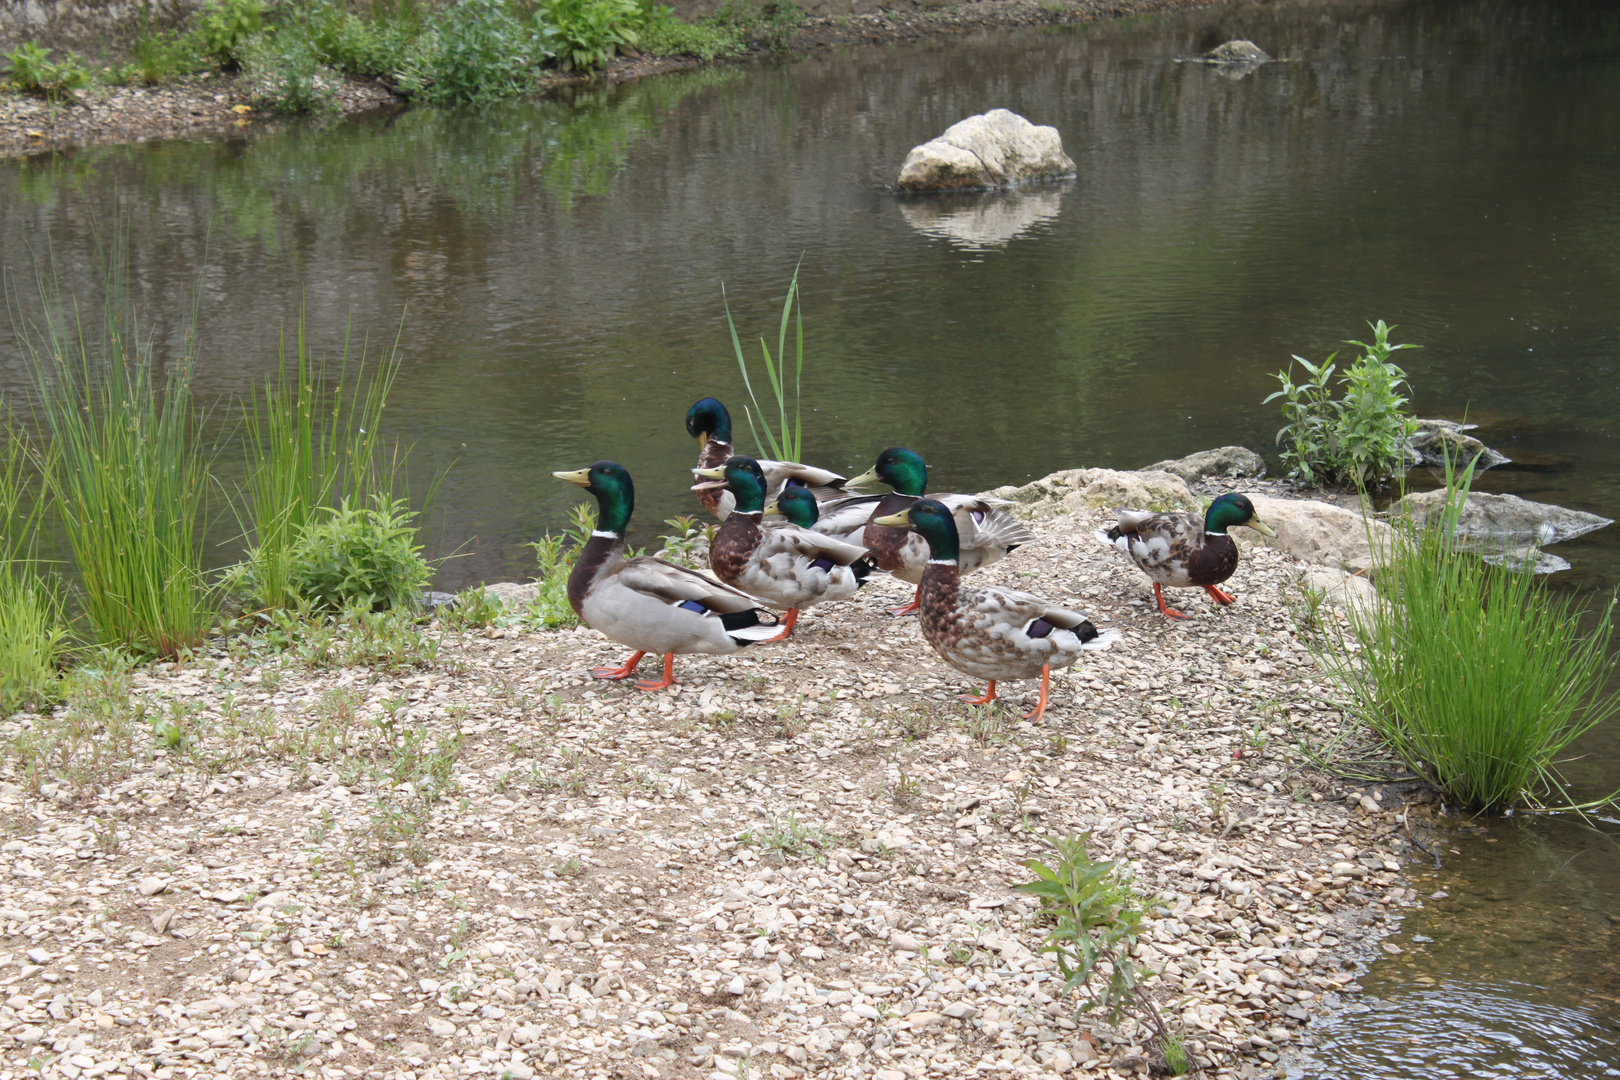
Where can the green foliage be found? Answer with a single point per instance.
(224, 28)
(1478, 677)
(359, 557)
(554, 555)
(128, 477)
(32, 71)
(33, 634)
(477, 50)
(162, 56)
(1096, 916)
(706, 39)
(590, 32)
(313, 441)
(288, 77)
(1359, 438)
(788, 446)
(473, 608)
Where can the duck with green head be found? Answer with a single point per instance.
(648, 604)
(1183, 551)
(782, 564)
(709, 423)
(986, 532)
(989, 633)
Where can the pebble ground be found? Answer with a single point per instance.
(798, 863)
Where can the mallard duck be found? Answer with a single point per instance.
(986, 533)
(782, 564)
(990, 633)
(709, 423)
(651, 605)
(1178, 550)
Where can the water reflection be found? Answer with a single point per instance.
(977, 221)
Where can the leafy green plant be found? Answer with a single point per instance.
(287, 76)
(477, 50)
(130, 476)
(1095, 918)
(590, 32)
(1477, 677)
(224, 27)
(1358, 438)
(787, 447)
(360, 557)
(33, 631)
(160, 56)
(473, 608)
(32, 71)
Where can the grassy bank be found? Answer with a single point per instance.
(292, 57)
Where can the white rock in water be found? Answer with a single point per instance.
(1238, 51)
(996, 149)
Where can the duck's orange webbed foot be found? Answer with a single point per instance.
(1220, 596)
(1040, 709)
(667, 681)
(989, 695)
(789, 620)
(624, 672)
(908, 609)
(1169, 612)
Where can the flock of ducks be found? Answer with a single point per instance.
(793, 536)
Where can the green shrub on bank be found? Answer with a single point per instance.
(1478, 677)
(1360, 438)
(224, 29)
(589, 33)
(477, 50)
(731, 31)
(32, 71)
(355, 557)
(287, 76)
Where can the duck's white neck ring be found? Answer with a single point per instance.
(605, 534)
(941, 562)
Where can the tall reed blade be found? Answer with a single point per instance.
(33, 630)
(785, 443)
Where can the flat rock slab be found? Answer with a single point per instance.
(1320, 532)
(1505, 520)
(1222, 461)
(996, 149)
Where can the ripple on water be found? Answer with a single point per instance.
(1462, 1030)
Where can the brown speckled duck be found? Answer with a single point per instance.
(1181, 551)
(709, 423)
(985, 532)
(781, 563)
(990, 633)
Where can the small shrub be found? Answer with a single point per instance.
(588, 33)
(288, 76)
(477, 50)
(361, 558)
(472, 609)
(1359, 438)
(225, 27)
(162, 56)
(32, 71)
(1478, 677)
(1096, 917)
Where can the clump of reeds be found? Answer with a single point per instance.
(33, 630)
(1478, 677)
(129, 475)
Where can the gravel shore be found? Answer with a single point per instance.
(799, 862)
(213, 107)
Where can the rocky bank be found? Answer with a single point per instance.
(211, 108)
(798, 863)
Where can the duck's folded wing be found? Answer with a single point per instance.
(846, 517)
(677, 585)
(807, 543)
(1034, 617)
(823, 483)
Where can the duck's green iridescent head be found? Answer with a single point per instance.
(745, 479)
(932, 521)
(798, 506)
(708, 419)
(1231, 510)
(900, 468)
(615, 493)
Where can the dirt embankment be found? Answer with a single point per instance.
(202, 107)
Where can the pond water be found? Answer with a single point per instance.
(554, 270)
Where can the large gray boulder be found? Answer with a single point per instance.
(1435, 439)
(997, 149)
(1319, 532)
(1237, 51)
(1503, 521)
(1222, 461)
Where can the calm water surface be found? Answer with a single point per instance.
(554, 273)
